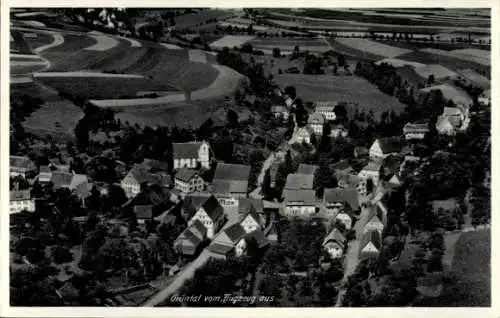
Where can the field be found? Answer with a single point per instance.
(337, 46)
(54, 118)
(18, 44)
(434, 69)
(33, 89)
(288, 45)
(414, 46)
(451, 92)
(193, 20)
(341, 88)
(93, 87)
(475, 78)
(373, 47)
(471, 273)
(409, 74)
(400, 63)
(231, 41)
(41, 39)
(449, 61)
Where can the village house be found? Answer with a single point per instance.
(137, 178)
(453, 119)
(299, 181)
(155, 196)
(273, 172)
(211, 215)
(327, 108)
(304, 135)
(189, 241)
(143, 213)
(370, 244)
(22, 166)
(316, 121)
(444, 126)
(190, 154)
(289, 102)
(342, 204)
(231, 241)
(77, 183)
(45, 172)
(280, 111)
(416, 131)
(230, 183)
(384, 147)
(337, 131)
(334, 243)
(299, 203)
(348, 180)
(372, 217)
(251, 221)
(369, 172)
(485, 98)
(254, 206)
(21, 200)
(188, 180)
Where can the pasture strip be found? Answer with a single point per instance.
(20, 80)
(197, 56)
(434, 69)
(460, 55)
(231, 41)
(373, 47)
(104, 43)
(399, 63)
(85, 74)
(24, 56)
(171, 46)
(58, 40)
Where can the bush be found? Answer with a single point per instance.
(61, 255)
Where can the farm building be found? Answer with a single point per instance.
(190, 154)
(188, 180)
(211, 215)
(316, 121)
(297, 181)
(416, 131)
(21, 166)
(230, 241)
(136, 178)
(307, 169)
(342, 204)
(370, 245)
(384, 147)
(189, 241)
(299, 203)
(372, 218)
(334, 243)
(230, 183)
(327, 108)
(21, 200)
(304, 134)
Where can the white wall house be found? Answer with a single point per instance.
(189, 154)
(21, 200)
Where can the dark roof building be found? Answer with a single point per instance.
(229, 171)
(297, 181)
(213, 208)
(346, 196)
(307, 169)
(186, 149)
(185, 174)
(370, 244)
(143, 212)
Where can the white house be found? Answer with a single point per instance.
(384, 147)
(190, 154)
(304, 134)
(21, 200)
(299, 203)
(251, 222)
(211, 215)
(444, 126)
(369, 172)
(370, 244)
(231, 240)
(188, 180)
(21, 166)
(280, 111)
(416, 131)
(334, 243)
(316, 121)
(327, 108)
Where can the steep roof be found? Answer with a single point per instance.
(278, 109)
(348, 196)
(213, 208)
(372, 166)
(335, 236)
(185, 174)
(229, 171)
(61, 179)
(20, 195)
(221, 249)
(390, 144)
(142, 175)
(371, 236)
(307, 169)
(299, 197)
(296, 181)
(372, 213)
(316, 118)
(143, 211)
(21, 162)
(235, 232)
(229, 186)
(198, 229)
(186, 149)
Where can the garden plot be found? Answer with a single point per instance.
(437, 70)
(373, 47)
(457, 95)
(231, 41)
(197, 56)
(104, 42)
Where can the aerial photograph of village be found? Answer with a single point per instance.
(250, 157)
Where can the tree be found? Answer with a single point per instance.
(340, 111)
(276, 52)
(232, 118)
(430, 80)
(341, 60)
(324, 178)
(290, 91)
(266, 185)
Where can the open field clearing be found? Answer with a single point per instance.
(475, 78)
(288, 45)
(341, 88)
(409, 74)
(171, 46)
(353, 52)
(63, 54)
(456, 94)
(94, 86)
(399, 63)
(446, 46)
(243, 26)
(59, 117)
(133, 42)
(231, 41)
(104, 42)
(470, 272)
(18, 44)
(450, 61)
(472, 55)
(197, 56)
(434, 69)
(373, 47)
(84, 74)
(24, 67)
(34, 89)
(195, 19)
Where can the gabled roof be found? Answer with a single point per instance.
(185, 174)
(371, 236)
(61, 179)
(235, 232)
(444, 121)
(229, 171)
(372, 166)
(259, 237)
(372, 213)
(45, 169)
(142, 175)
(297, 181)
(299, 197)
(143, 211)
(198, 229)
(316, 118)
(213, 208)
(20, 195)
(253, 215)
(221, 249)
(347, 196)
(21, 162)
(186, 149)
(307, 169)
(335, 236)
(278, 109)
(221, 187)
(390, 144)
(306, 129)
